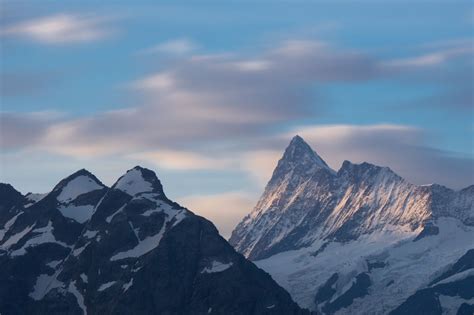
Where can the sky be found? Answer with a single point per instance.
(209, 94)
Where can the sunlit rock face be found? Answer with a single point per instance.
(85, 248)
(360, 240)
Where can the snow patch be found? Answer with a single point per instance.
(8, 225)
(78, 213)
(34, 198)
(170, 212)
(127, 285)
(136, 269)
(15, 238)
(105, 286)
(149, 196)
(41, 286)
(53, 264)
(459, 276)
(110, 217)
(451, 304)
(79, 298)
(76, 252)
(90, 234)
(216, 266)
(144, 246)
(133, 183)
(44, 284)
(179, 217)
(76, 187)
(45, 236)
(84, 277)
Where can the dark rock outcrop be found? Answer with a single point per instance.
(128, 249)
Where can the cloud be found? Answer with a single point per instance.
(446, 66)
(319, 62)
(258, 164)
(440, 52)
(21, 130)
(222, 112)
(402, 148)
(60, 29)
(224, 210)
(455, 96)
(184, 160)
(180, 46)
(215, 100)
(211, 99)
(22, 84)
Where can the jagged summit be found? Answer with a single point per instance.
(306, 201)
(139, 180)
(342, 242)
(298, 151)
(366, 170)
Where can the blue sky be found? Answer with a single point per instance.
(209, 94)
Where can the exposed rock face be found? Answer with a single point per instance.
(313, 223)
(85, 248)
(305, 200)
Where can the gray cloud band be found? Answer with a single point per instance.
(204, 100)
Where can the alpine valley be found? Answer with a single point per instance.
(361, 240)
(85, 248)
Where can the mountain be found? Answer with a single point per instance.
(361, 240)
(84, 248)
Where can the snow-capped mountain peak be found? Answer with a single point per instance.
(128, 247)
(80, 182)
(299, 153)
(139, 180)
(345, 242)
(305, 201)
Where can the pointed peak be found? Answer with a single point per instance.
(139, 180)
(76, 184)
(298, 143)
(299, 151)
(299, 160)
(297, 140)
(79, 173)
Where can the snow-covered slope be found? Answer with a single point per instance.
(356, 241)
(86, 248)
